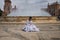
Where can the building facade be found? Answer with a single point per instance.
(54, 9)
(7, 7)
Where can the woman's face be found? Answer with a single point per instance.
(29, 19)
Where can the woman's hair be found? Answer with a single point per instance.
(30, 18)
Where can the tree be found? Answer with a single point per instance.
(1, 12)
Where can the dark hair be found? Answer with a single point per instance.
(30, 18)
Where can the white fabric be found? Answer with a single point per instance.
(30, 27)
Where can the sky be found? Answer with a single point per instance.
(29, 7)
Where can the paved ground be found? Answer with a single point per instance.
(14, 32)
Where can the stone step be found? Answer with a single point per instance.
(24, 18)
(41, 26)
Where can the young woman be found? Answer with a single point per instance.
(30, 27)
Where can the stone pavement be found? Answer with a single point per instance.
(13, 32)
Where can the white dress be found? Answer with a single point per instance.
(30, 27)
